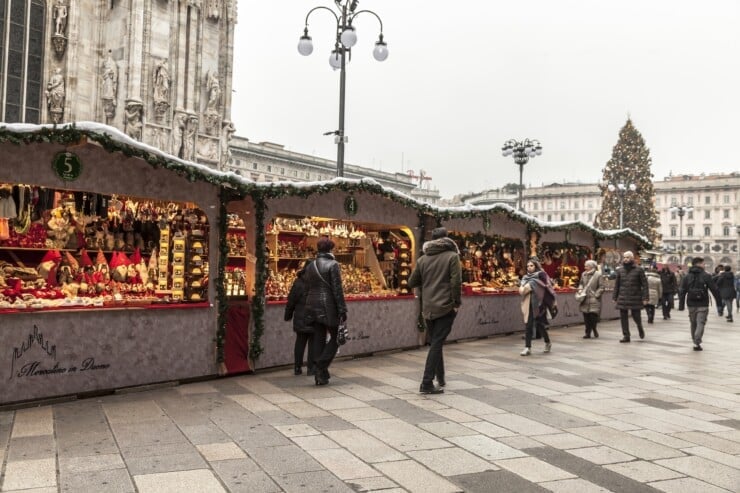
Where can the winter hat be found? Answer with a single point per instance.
(438, 233)
(73, 263)
(100, 259)
(136, 257)
(85, 260)
(52, 256)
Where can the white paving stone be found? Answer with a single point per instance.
(253, 403)
(687, 485)
(365, 446)
(100, 462)
(573, 486)
(401, 435)
(600, 455)
(297, 430)
(629, 444)
(343, 464)
(221, 451)
(31, 422)
(705, 470)
(643, 471)
(452, 461)
(200, 480)
(333, 403)
(26, 474)
(445, 429)
(486, 447)
(533, 469)
(564, 441)
(416, 478)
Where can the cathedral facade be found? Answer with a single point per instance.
(158, 70)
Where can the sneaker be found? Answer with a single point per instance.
(596, 333)
(697, 347)
(430, 389)
(548, 347)
(525, 352)
(642, 333)
(624, 339)
(441, 382)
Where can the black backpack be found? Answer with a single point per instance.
(697, 289)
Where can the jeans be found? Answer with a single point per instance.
(650, 311)
(438, 330)
(303, 339)
(698, 318)
(728, 303)
(323, 351)
(538, 324)
(624, 319)
(666, 302)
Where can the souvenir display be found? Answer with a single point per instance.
(564, 263)
(490, 263)
(147, 251)
(291, 241)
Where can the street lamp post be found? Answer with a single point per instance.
(621, 190)
(522, 152)
(345, 38)
(681, 210)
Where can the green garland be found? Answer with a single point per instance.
(261, 273)
(223, 258)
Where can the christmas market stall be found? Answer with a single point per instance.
(376, 235)
(108, 250)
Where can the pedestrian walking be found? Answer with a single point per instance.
(590, 289)
(715, 277)
(694, 293)
(670, 288)
(630, 294)
(655, 292)
(438, 277)
(325, 307)
(538, 297)
(737, 291)
(726, 285)
(295, 310)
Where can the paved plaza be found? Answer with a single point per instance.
(593, 415)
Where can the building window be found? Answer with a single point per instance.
(590, 217)
(726, 214)
(690, 200)
(707, 199)
(726, 199)
(535, 206)
(562, 217)
(238, 162)
(295, 173)
(549, 206)
(21, 60)
(575, 216)
(707, 231)
(691, 215)
(726, 231)
(308, 175)
(707, 214)
(657, 202)
(689, 231)
(282, 171)
(255, 166)
(562, 204)
(673, 231)
(674, 202)
(673, 216)
(549, 217)
(590, 204)
(575, 204)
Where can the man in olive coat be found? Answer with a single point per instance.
(630, 294)
(438, 276)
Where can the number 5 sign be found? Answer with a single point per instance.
(67, 166)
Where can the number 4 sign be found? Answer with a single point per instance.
(67, 166)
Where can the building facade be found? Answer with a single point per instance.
(711, 229)
(269, 162)
(157, 70)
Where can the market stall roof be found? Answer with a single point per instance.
(113, 140)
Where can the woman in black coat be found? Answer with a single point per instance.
(670, 288)
(325, 307)
(295, 310)
(726, 285)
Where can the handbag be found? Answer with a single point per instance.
(581, 293)
(342, 334)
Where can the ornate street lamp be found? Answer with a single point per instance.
(345, 38)
(681, 210)
(621, 190)
(522, 152)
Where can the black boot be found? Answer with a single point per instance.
(297, 370)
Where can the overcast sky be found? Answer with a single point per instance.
(465, 76)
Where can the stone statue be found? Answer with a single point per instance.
(109, 74)
(214, 92)
(226, 132)
(178, 131)
(162, 82)
(60, 18)
(213, 9)
(188, 137)
(55, 94)
(133, 119)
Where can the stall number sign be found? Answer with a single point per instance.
(350, 205)
(67, 166)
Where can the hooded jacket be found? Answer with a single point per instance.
(296, 307)
(697, 274)
(438, 276)
(726, 285)
(655, 287)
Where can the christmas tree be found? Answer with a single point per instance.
(629, 165)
